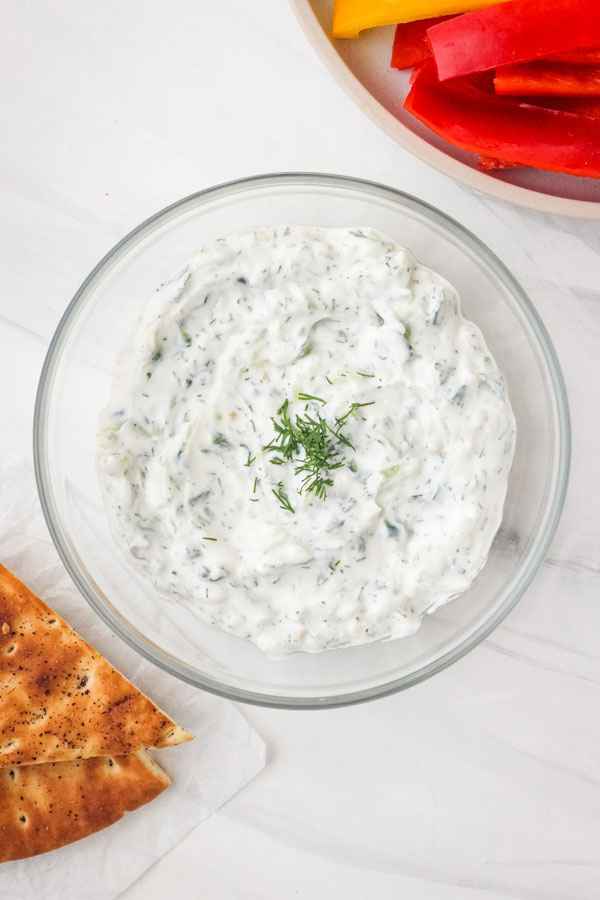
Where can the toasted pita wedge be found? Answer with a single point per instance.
(59, 698)
(45, 806)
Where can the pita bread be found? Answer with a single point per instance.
(45, 806)
(59, 698)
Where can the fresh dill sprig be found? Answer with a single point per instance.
(317, 439)
(283, 497)
(302, 396)
(342, 420)
(285, 441)
(320, 455)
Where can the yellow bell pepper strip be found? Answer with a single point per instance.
(352, 16)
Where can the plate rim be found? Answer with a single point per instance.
(418, 146)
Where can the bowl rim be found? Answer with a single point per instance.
(142, 644)
(325, 48)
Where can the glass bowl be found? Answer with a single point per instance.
(75, 383)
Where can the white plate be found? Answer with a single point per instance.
(362, 68)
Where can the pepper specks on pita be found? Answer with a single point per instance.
(43, 807)
(90, 708)
(73, 732)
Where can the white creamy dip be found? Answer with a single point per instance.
(348, 317)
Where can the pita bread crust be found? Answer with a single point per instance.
(59, 698)
(43, 807)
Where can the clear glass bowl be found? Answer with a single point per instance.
(75, 384)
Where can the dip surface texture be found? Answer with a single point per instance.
(416, 475)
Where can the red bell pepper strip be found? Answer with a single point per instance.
(513, 32)
(506, 129)
(584, 106)
(411, 46)
(548, 80)
(491, 164)
(587, 56)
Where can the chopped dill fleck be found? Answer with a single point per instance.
(364, 375)
(250, 459)
(208, 539)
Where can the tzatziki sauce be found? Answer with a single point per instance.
(306, 442)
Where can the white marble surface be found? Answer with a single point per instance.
(483, 782)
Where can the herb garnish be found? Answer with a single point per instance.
(302, 396)
(319, 441)
(283, 497)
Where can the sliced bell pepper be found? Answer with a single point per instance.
(584, 106)
(411, 46)
(508, 33)
(548, 79)
(503, 128)
(491, 164)
(352, 16)
(587, 56)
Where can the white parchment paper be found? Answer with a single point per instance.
(206, 772)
